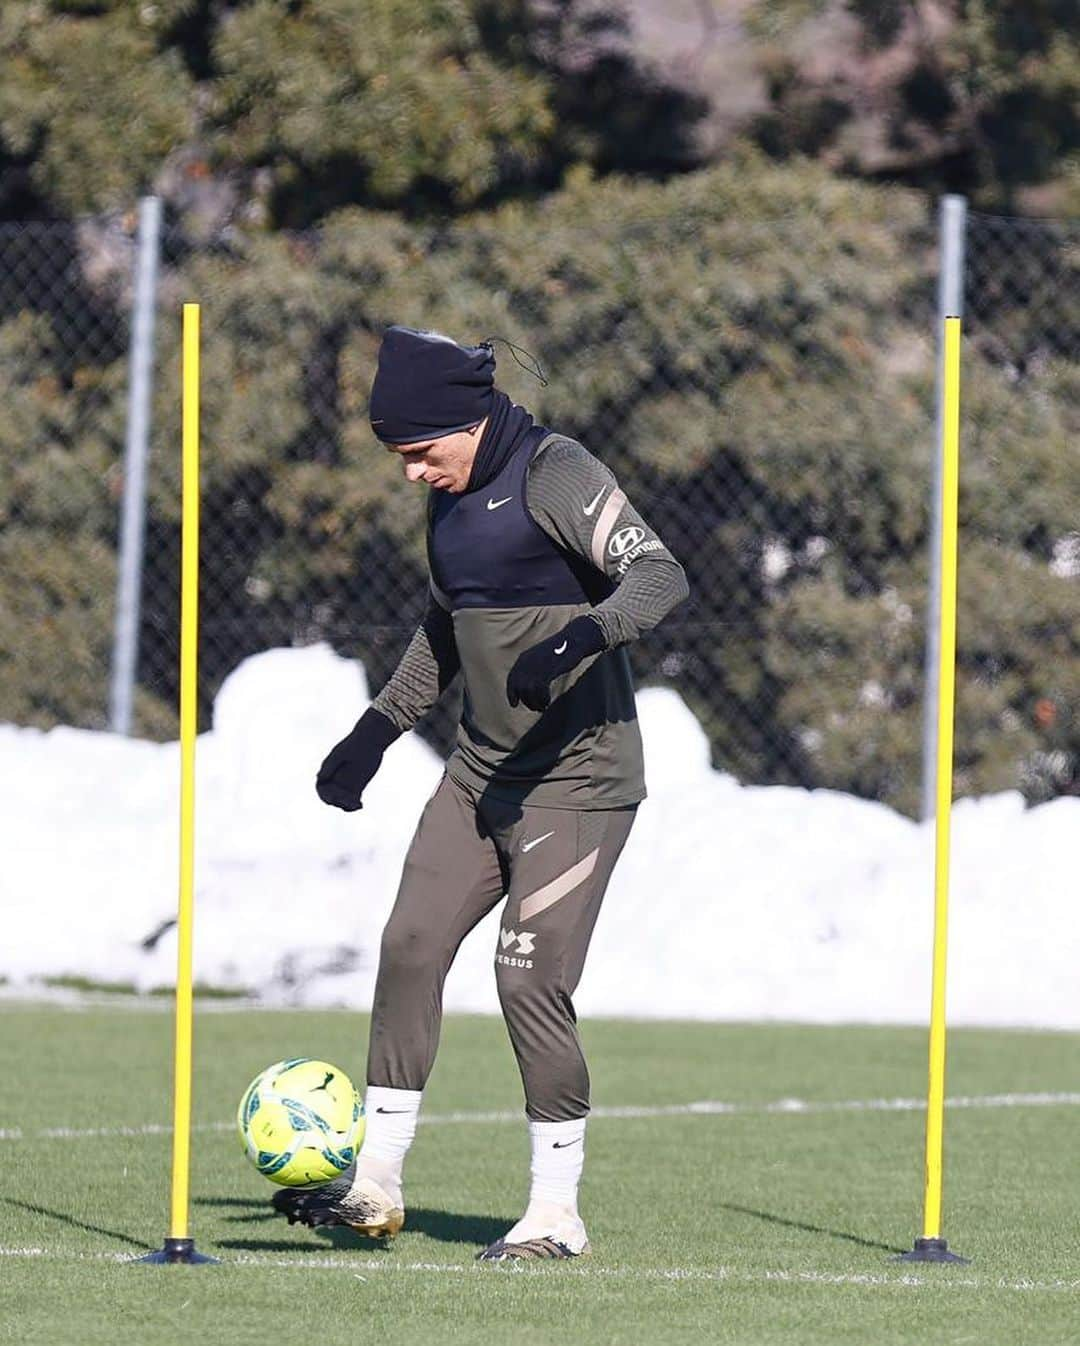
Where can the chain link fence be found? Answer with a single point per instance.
(64, 301)
(763, 386)
(1019, 620)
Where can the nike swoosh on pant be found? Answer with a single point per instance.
(528, 845)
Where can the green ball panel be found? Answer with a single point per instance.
(306, 1167)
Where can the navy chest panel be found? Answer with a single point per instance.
(485, 550)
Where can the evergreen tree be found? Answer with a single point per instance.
(978, 96)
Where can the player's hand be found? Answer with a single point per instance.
(534, 670)
(350, 765)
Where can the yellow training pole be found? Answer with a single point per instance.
(179, 1247)
(932, 1247)
(189, 637)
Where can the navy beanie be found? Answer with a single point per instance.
(427, 386)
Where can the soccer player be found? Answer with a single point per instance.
(541, 573)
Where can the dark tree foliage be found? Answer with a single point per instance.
(981, 97)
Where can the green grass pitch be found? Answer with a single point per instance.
(751, 1226)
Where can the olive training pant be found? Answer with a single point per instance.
(468, 851)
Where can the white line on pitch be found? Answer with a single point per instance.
(358, 1266)
(789, 1106)
(796, 1107)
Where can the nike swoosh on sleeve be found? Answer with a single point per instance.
(590, 508)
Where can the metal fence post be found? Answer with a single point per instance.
(133, 519)
(952, 225)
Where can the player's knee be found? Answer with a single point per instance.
(407, 948)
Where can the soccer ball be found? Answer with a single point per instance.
(301, 1122)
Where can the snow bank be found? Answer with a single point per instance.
(730, 902)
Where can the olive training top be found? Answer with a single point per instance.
(548, 538)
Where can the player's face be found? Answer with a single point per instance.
(444, 463)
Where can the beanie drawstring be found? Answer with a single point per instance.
(535, 369)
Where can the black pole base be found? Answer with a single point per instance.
(177, 1250)
(932, 1250)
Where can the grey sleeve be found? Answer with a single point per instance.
(577, 501)
(426, 669)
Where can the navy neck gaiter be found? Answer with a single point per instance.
(507, 426)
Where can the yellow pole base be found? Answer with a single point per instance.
(178, 1251)
(932, 1250)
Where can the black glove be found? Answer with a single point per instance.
(344, 775)
(533, 671)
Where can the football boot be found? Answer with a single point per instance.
(370, 1205)
(544, 1233)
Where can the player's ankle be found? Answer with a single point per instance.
(385, 1172)
(540, 1209)
(549, 1220)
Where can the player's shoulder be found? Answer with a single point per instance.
(561, 455)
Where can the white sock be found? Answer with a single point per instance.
(390, 1125)
(558, 1156)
